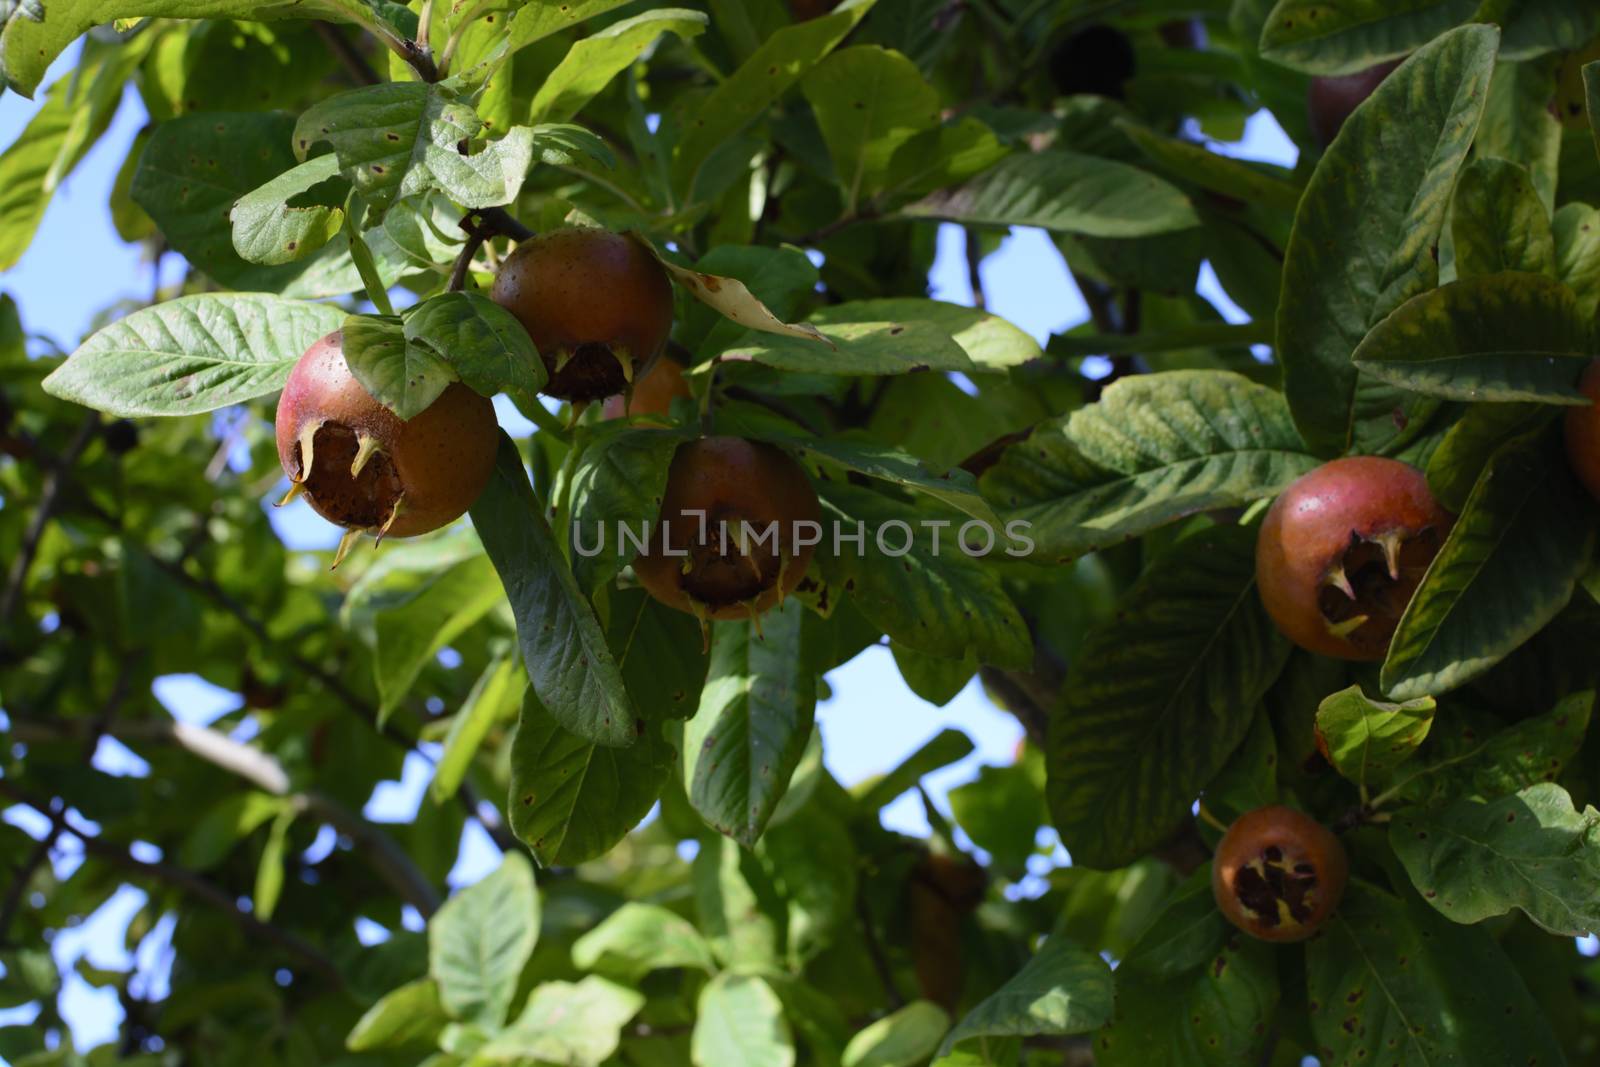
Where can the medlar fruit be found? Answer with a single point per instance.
(1583, 432)
(1332, 100)
(652, 394)
(597, 305)
(362, 467)
(1278, 874)
(731, 541)
(1342, 551)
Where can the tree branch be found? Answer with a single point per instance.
(355, 64)
(188, 882)
(49, 497)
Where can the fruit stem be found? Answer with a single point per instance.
(1212, 821)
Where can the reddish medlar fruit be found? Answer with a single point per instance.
(1097, 60)
(943, 891)
(1278, 874)
(597, 305)
(1342, 551)
(1332, 100)
(652, 394)
(363, 467)
(1583, 432)
(731, 541)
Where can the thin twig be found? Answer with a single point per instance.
(355, 64)
(499, 221)
(880, 960)
(469, 251)
(974, 274)
(49, 497)
(190, 883)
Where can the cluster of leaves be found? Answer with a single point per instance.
(1428, 290)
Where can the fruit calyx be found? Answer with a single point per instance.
(1343, 550)
(1278, 874)
(363, 468)
(730, 539)
(597, 306)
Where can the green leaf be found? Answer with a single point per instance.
(902, 1038)
(1508, 567)
(740, 1023)
(639, 938)
(536, 21)
(1156, 448)
(592, 62)
(1002, 811)
(413, 628)
(1459, 459)
(755, 716)
(401, 138)
(1159, 697)
(749, 91)
(482, 341)
(1342, 38)
(495, 697)
(868, 101)
(1533, 850)
(192, 355)
(1062, 989)
(618, 481)
(1192, 991)
(858, 344)
(565, 1023)
(1518, 123)
(573, 672)
(933, 678)
(403, 377)
(409, 1015)
(944, 156)
(1499, 223)
(1386, 977)
(480, 940)
(1252, 183)
(79, 108)
(193, 171)
(269, 871)
(233, 819)
(28, 46)
(944, 748)
(911, 574)
(425, 230)
(1466, 764)
(736, 906)
(268, 230)
(572, 800)
(661, 652)
(563, 144)
(990, 342)
(955, 489)
(1064, 192)
(1577, 234)
(811, 859)
(1371, 217)
(1367, 739)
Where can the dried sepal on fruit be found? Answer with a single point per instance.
(597, 305)
(737, 527)
(1278, 874)
(1342, 551)
(362, 467)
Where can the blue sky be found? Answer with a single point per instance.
(77, 266)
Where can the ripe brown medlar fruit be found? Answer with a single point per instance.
(737, 526)
(1342, 551)
(1278, 874)
(943, 891)
(362, 467)
(1332, 100)
(1583, 432)
(1097, 60)
(652, 394)
(597, 305)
